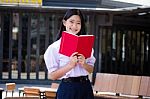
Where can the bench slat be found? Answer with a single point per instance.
(136, 85)
(120, 83)
(148, 90)
(143, 86)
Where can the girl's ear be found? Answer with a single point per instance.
(64, 22)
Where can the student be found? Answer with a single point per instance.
(73, 71)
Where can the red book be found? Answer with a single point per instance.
(71, 43)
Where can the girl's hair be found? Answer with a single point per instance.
(68, 14)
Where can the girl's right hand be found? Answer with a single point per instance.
(73, 59)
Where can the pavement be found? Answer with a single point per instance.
(16, 92)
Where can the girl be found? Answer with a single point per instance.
(72, 71)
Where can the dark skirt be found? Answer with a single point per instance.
(75, 90)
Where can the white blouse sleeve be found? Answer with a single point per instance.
(91, 60)
(51, 58)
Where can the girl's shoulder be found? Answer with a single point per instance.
(55, 45)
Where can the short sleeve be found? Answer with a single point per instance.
(91, 60)
(51, 58)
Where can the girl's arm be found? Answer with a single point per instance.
(88, 67)
(62, 71)
(81, 61)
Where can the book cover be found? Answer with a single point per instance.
(71, 43)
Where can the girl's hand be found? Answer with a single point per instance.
(73, 59)
(81, 59)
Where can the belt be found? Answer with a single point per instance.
(81, 79)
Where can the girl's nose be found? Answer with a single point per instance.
(75, 25)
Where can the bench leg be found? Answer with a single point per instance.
(6, 93)
(12, 93)
(140, 97)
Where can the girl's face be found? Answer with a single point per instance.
(73, 24)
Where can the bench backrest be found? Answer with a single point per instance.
(128, 84)
(105, 82)
(28, 91)
(98, 82)
(145, 86)
(50, 94)
(124, 84)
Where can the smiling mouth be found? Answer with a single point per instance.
(73, 30)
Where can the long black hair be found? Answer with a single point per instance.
(68, 14)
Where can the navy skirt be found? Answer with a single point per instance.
(75, 89)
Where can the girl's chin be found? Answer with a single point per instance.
(74, 32)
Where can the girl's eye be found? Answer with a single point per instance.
(71, 21)
(78, 23)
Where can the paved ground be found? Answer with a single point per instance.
(16, 93)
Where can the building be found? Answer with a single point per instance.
(28, 27)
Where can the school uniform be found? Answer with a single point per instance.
(75, 83)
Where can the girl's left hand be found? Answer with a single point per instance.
(81, 59)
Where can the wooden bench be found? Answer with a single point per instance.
(115, 86)
(28, 91)
(27, 97)
(50, 94)
(105, 85)
(145, 86)
(10, 87)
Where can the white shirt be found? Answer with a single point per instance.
(54, 60)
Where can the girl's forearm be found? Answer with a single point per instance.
(88, 67)
(60, 72)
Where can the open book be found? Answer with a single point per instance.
(71, 43)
